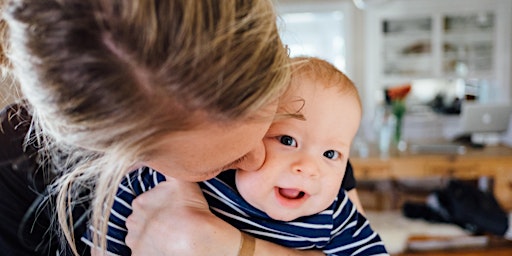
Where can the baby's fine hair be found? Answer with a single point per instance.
(319, 70)
(106, 79)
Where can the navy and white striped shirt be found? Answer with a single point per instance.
(338, 230)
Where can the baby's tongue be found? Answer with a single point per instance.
(289, 192)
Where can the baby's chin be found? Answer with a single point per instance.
(285, 215)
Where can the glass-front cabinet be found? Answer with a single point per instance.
(437, 39)
(407, 44)
(468, 43)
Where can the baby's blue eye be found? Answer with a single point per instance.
(288, 141)
(331, 154)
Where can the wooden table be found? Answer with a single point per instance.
(491, 161)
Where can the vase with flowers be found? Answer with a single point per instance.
(396, 96)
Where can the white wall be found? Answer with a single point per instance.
(355, 30)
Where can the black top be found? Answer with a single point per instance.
(25, 214)
(349, 181)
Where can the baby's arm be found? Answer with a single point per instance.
(352, 234)
(144, 179)
(193, 230)
(133, 185)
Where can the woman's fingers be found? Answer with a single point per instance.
(173, 218)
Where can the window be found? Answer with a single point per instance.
(317, 29)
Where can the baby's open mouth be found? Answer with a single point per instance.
(290, 197)
(290, 193)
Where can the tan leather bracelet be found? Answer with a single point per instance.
(247, 245)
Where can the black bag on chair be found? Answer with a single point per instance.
(473, 209)
(465, 205)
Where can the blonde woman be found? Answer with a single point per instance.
(188, 88)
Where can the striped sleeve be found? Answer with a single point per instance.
(352, 234)
(132, 185)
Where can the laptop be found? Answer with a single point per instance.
(485, 118)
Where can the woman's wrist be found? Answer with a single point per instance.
(250, 246)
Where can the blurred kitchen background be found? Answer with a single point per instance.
(453, 53)
(450, 51)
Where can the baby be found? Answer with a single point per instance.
(295, 199)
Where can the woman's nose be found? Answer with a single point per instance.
(254, 159)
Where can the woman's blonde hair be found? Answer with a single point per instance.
(106, 79)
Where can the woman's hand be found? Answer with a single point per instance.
(174, 219)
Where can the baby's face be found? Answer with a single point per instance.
(305, 159)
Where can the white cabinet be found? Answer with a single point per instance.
(406, 46)
(407, 40)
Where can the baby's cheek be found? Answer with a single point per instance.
(247, 184)
(331, 190)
